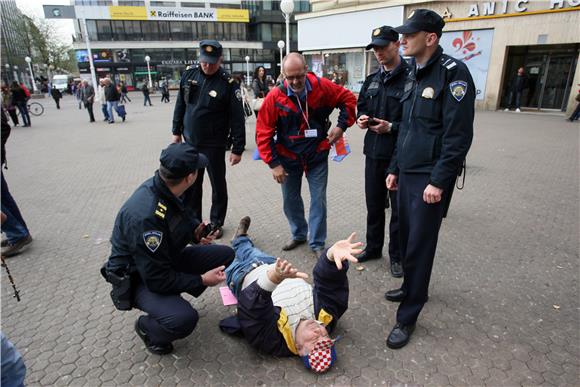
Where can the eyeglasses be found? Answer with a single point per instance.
(295, 77)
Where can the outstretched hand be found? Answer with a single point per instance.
(283, 270)
(343, 250)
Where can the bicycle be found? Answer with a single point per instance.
(34, 108)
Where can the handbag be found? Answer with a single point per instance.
(257, 103)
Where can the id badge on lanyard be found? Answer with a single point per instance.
(308, 133)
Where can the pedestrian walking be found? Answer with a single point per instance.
(20, 100)
(146, 97)
(516, 88)
(293, 139)
(208, 110)
(434, 138)
(124, 93)
(9, 105)
(100, 98)
(88, 97)
(260, 88)
(165, 92)
(112, 96)
(56, 95)
(379, 112)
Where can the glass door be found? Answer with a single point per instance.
(556, 83)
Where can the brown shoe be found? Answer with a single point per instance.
(17, 247)
(243, 227)
(292, 245)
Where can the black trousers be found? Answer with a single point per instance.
(169, 317)
(217, 176)
(89, 107)
(377, 198)
(419, 230)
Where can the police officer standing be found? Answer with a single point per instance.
(434, 138)
(151, 263)
(207, 111)
(379, 111)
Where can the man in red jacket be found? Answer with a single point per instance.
(293, 138)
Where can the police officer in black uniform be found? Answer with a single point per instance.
(208, 110)
(379, 111)
(151, 263)
(434, 138)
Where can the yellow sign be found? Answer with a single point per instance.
(128, 13)
(233, 15)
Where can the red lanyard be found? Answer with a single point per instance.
(304, 114)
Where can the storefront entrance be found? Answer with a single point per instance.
(550, 72)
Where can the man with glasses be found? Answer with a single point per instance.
(379, 111)
(208, 111)
(281, 314)
(434, 137)
(293, 139)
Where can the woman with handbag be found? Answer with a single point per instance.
(260, 88)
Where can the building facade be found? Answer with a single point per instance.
(494, 38)
(123, 33)
(13, 65)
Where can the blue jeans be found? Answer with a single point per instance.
(15, 227)
(317, 178)
(247, 258)
(24, 113)
(111, 105)
(13, 368)
(105, 111)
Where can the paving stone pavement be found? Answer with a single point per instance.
(503, 308)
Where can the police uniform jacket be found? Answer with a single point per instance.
(437, 125)
(151, 230)
(209, 109)
(282, 116)
(380, 98)
(266, 326)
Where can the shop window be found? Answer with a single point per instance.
(266, 33)
(150, 30)
(164, 33)
(202, 32)
(138, 56)
(92, 30)
(104, 30)
(118, 30)
(277, 33)
(162, 4)
(177, 30)
(193, 5)
(133, 30)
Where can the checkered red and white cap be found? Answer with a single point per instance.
(322, 356)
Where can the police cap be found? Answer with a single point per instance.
(383, 36)
(422, 20)
(181, 159)
(210, 51)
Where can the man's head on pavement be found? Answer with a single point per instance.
(210, 56)
(294, 68)
(179, 165)
(385, 44)
(314, 346)
(421, 32)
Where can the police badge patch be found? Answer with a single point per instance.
(239, 94)
(152, 239)
(458, 89)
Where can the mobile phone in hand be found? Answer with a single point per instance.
(372, 121)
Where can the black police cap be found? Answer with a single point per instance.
(210, 51)
(382, 36)
(181, 159)
(422, 20)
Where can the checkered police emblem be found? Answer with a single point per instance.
(152, 239)
(321, 357)
(458, 89)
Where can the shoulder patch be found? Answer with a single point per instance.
(231, 80)
(152, 239)
(239, 94)
(160, 210)
(458, 89)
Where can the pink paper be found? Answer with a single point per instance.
(228, 297)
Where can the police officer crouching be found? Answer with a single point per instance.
(379, 111)
(151, 263)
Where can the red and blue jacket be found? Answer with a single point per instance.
(283, 116)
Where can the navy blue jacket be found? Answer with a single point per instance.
(209, 109)
(265, 325)
(151, 230)
(380, 97)
(437, 124)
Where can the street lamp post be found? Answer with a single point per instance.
(29, 60)
(16, 74)
(247, 58)
(281, 47)
(147, 59)
(7, 66)
(287, 7)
